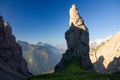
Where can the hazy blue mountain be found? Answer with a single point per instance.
(41, 57)
(59, 47)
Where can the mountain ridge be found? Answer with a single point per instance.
(12, 64)
(99, 41)
(107, 55)
(41, 57)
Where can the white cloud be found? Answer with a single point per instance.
(97, 42)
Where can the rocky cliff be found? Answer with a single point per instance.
(11, 59)
(106, 57)
(77, 38)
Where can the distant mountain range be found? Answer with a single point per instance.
(41, 57)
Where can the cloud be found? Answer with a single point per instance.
(97, 42)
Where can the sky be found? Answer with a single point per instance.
(47, 20)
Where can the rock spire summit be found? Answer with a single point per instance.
(75, 18)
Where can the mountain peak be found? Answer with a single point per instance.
(40, 43)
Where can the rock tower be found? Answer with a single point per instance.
(77, 38)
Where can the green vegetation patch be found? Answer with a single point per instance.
(73, 70)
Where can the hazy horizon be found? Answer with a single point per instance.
(47, 20)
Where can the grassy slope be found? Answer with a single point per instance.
(74, 71)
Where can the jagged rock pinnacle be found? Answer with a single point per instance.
(75, 18)
(77, 38)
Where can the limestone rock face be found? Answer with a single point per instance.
(77, 38)
(106, 57)
(76, 19)
(10, 51)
